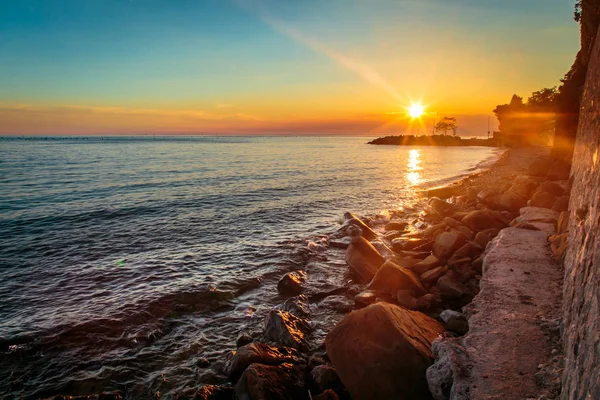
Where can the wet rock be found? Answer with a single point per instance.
(365, 230)
(481, 220)
(455, 322)
(364, 259)
(324, 377)
(100, 396)
(429, 263)
(391, 278)
(243, 339)
(441, 207)
(482, 239)
(450, 287)
(396, 226)
(203, 362)
(391, 235)
(366, 298)
(446, 244)
(431, 277)
(542, 199)
(286, 329)
(299, 306)
(383, 351)
(291, 283)
(260, 353)
(267, 382)
(401, 244)
(339, 304)
(382, 248)
(214, 392)
(442, 192)
(341, 243)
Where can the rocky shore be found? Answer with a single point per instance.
(412, 276)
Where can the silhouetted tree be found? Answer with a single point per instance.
(447, 124)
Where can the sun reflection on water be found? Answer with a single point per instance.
(412, 175)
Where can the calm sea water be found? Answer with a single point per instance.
(124, 261)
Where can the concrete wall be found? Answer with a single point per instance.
(581, 319)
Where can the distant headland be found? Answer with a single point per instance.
(433, 140)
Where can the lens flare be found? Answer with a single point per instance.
(416, 110)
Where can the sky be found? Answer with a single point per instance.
(344, 67)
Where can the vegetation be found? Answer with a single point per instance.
(447, 124)
(435, 140)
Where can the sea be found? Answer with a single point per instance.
(133, 263)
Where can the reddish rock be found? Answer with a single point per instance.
(267, 382)
(391, 278)
(256, 353)
(383, 351)
(291, 283)
(404, 243)
(214, 392)
(481, 220)
(431, 277)
(363, 258)
(482, 239)
(396, 226)
(542, 200)
(560, 171)
(446, 244)
(429, 263)
(440, 207)
(286, 329)
(364, 299)
(561, 204)
(552, 188)
(327, 395)
(366, 231)
(450, 287)
(540, 167)
(512, 201)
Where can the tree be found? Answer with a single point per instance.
(543, 100)
(447, 124)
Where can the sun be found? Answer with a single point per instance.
(416, 110)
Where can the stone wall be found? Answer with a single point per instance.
(581, 308)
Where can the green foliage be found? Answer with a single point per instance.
(447, 124)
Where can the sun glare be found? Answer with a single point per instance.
(416, 110)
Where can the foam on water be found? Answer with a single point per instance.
(125, 261)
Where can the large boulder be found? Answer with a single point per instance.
(552, 187)
(392, 278)
(523, 186)
(286, 329)
(257, 353)
(481, 220)
(440, 207)
(559, 171)
(291, 283)
(383, 352)
(365, 230)
(542, 200)
(447, 243)
(363, 258)
(511, 201)
(267, 382)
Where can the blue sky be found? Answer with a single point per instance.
(270, 65)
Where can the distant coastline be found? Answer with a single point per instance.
(434, 140)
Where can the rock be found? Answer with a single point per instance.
(466, 232)
(482, 239)
(450, 287)
(243, 339)
(366, 232)
(542, 199)
(286, 329)
(552, 188)
(511, 201)
(203, 362)
(455, 322)
(477, 265)
(463, 271)
(441, 207)
(341, 243)
(493, 232)
(432, 230)
(406, 299)
(442, 192)
(465, 252)
(382, 248)
(396, 226)
(452, 223)
(523, 186)
(560, 171)
(561, 204)
(100, 396)
(425, 247)
(339, 304)
(364, 299)
(446, 243)
(391, 235)
(426, 303)
(391, 278)
(429, 263)
(364, 259)
(324, 377)
(383, 351)
(292, 283)
(451, 361)
(214, 392)
(298, 306)
(401, 244)
(268, 382)
(540, 167)
(326, 395)
(257, 353)
(481, 220)
(431, 277)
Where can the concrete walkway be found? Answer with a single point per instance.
(521, 285)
